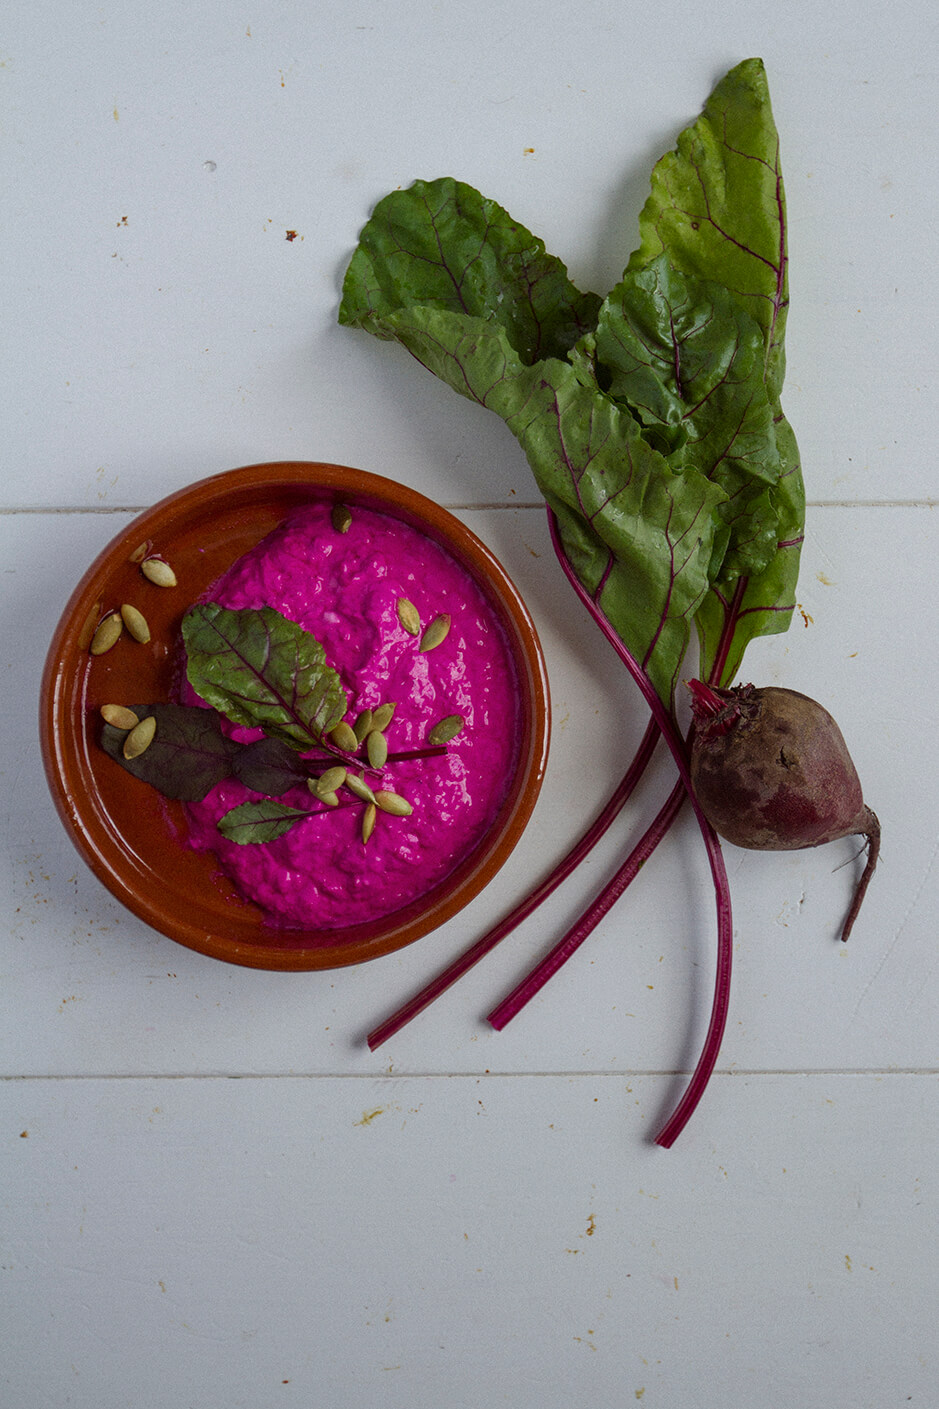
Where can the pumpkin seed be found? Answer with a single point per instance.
(330, 799)
(119, 716)
(376, 746)
(343, 736)
(435, 632)
(359, 786)
(329, 781)
(409, 616)
(158, 571)
(368, 821)
(381, 717)
(393, 803)
(136, 623)
(88, 626)
(106, 634)
(140, 737)
(446, 729)
(362, 725)
(140, 552)
(341, 517)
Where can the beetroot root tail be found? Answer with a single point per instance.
(870, 828)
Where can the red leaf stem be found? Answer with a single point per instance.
(664, 718)
(535, 980)
(465, 961)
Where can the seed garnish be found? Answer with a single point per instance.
(376, 746)
(409, 616)
(158, 571)
(446, 729)
(106, 634)
(362, 725)
(343, 736)
(140, 737)
(359, 786)
(435, 632)
(329, 781)
(341, 518)
(119, 716)
(382, 716)
(393, 803)
(368, 821)
(136, 623)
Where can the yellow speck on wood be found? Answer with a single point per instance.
(847, 1263)
(825, 581)
(591, 1225)
(640, 1392)
(369, 1116)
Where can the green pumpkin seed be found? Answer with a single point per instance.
(376, 746)
(362, 725)
(381, 717)
(136, 623)
(393, 803)
(359, 786)
(329, 781)
(140, 737)
(119, 716)
(435, 632)
(368, 821)
(409, 616)
(343, 736)
(107, 634)
(330, 799)
(341, 518)
(158, 571)
(446, 729)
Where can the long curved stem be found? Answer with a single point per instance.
(536, 979)
(664, 718)
(569, 863)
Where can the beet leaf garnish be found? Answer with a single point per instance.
(189, 754)
(256, 669)
(261, 670)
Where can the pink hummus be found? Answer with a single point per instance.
(344, 589)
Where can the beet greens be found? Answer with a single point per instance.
(652, 422)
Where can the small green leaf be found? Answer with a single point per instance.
(260, 821)
(261, 670)
(189, 754)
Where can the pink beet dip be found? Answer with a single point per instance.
(344, 588)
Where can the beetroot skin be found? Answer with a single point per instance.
(772, 772)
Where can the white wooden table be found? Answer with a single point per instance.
(213, 1195)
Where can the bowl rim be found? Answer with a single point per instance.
(71, 757)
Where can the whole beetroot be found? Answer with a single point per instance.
(772, 772)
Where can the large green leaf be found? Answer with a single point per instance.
(261, 670)
(688, 360)
(652, 423)
(717, 206)
(645, 536)
(440, 244)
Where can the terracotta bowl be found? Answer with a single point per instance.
(128, 834)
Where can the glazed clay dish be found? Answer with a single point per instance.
(133, 838)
